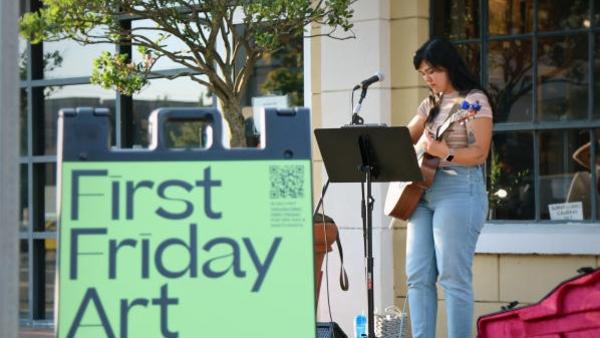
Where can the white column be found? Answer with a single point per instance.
(306, 50)
(9, 165)
(344, 63)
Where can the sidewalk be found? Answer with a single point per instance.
(25, 332)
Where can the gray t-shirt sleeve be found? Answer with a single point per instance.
(486, 109)
(424, 108)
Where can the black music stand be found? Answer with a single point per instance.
(368, 154)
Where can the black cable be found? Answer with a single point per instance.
(352, 107)
(323, 191)
(326, 259)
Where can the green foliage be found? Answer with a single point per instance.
(66, 19)
(50, 62)
(218, 52)
(114, 71)
(285, 17)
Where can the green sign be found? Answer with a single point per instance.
(186, 249)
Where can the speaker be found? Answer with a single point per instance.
(329, 330)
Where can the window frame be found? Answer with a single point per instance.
(538, 236)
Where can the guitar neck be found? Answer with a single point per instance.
(455, 118)
(419, 150)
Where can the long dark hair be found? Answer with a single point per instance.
(441, 54)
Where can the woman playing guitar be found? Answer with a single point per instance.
(443, 229)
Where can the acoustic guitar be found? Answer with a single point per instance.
(402, 197)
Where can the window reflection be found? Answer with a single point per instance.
(457, 19)
(510, 16)
(179, 92)
(22, 45)
(23, 59)
(564, 174)
(49, 272)
(147, 28)
(44, 177)
(510, 176)
(277, 74)
(24, 197)
(562, 93)
(23, 279)
(558, 15)
(597, 12)
(23, 121)
(510, 79)
(563, 78)
(58, 97)
(183, 134)
(597, 75)
(68, 58)
(470, 53)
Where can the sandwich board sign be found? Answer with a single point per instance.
(164, 242)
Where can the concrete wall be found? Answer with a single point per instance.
(499, 279)
(337, 65)
(9, 165)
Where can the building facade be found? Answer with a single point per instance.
(540, 61)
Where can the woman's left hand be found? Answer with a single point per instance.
(435, 148)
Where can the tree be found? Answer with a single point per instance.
(218, 53)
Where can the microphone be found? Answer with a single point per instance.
(364, 85)
(367, 82)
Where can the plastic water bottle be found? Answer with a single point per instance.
(360, 326)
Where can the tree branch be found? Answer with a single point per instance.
(205, 83)
(353, 36)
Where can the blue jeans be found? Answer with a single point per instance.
(441, 238)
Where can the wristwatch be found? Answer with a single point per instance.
(450, 156)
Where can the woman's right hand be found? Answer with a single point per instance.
(416, 126)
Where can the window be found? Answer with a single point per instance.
(539, 61)
(180, 92)
(56, 75)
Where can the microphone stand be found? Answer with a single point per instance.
(366, 207)
(366, 210)
(356, 119)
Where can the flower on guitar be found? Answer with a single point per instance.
(475, 106)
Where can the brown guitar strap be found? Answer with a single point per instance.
(344, 284)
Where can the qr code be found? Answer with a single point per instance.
(287, 181)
